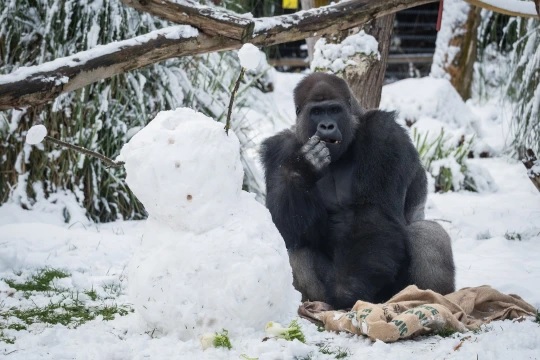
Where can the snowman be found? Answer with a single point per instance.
(210, 257)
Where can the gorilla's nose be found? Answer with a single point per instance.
(327, 129)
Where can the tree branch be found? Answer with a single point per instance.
(210, 20)
(85, 151)
(35, 85)
(511, 7)
(219, 30)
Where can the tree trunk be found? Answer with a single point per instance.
(457, 65)
(366, 81)
(462, 67)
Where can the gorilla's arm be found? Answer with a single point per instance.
(291, 194)
(415, 200)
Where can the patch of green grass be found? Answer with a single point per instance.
(537, 317)
(41, 281)
(338, 352)
(446, 332)
(69, 312)
(6, 339)
(68, 309)
(92, 294)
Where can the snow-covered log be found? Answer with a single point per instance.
(35, 85)
(509, 7)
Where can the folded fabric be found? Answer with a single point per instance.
(414, 312)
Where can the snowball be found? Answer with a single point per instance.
(211, 257)
(36, 134)
(250, 56)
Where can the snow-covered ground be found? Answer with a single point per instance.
(496, 241)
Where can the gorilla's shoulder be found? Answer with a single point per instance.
(275, 148)
(381, 125)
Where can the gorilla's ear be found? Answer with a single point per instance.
(297, 110)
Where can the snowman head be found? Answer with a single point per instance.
(185, 170)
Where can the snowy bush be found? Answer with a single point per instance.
(443, 129)
(509, 69)
(104, 115)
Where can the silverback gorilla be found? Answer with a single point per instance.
(347, 191)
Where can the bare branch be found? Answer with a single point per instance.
(231, 102)
(80, 149)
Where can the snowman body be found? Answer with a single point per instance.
(210, 257)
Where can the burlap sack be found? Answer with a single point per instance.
(413, 312)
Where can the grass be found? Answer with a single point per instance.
(338, 352)
(66, 307)
(40, 281)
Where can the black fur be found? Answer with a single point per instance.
(346, 226)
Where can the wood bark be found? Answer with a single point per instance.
(366, 81)
(530, 161)
(43, 83)
(461, 67)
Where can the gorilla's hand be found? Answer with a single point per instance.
(316, 153)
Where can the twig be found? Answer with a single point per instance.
(231, 102)
(82, 150)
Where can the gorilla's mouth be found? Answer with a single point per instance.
(331, 141)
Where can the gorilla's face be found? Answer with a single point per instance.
(324, 109)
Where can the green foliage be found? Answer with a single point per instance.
(41, 281)
(294, 331)
(445, 332)
(102, 116)
(435, 154)
(222, 340)
(338, 352)
(524, 85)
(516, 42)
(65, 307)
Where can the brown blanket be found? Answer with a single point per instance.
(414, 312)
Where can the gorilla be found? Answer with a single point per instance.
(346, 189)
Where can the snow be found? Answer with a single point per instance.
(516, 6)
(98, 255)
(336, 57)
(36, 134)
(250, 56)
(172, 32)
(208, 246)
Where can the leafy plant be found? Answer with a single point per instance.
(104, 115)
(444, 160)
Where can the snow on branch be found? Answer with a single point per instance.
(220, 30)
(509, 7)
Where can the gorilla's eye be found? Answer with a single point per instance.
(335, 110)
(316, 111)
